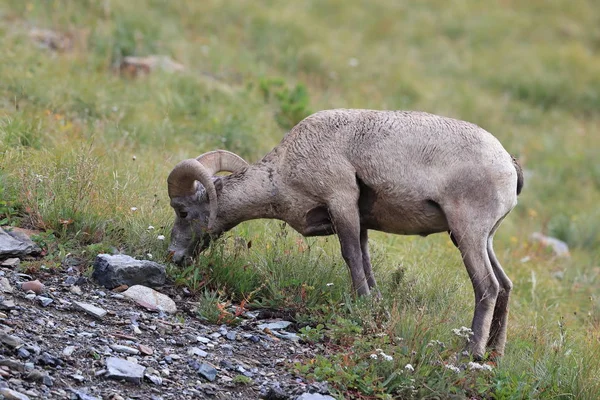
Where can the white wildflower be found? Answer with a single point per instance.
(436, 343)
(150, 227)
(149, 256)
(473, 366)
(452, 368)
(386, 357)
(374, 356)
(133, 208)
(353, 62)
(133, 157)
(161, 237)
(329, 284)
(409, 367)
(463, 331)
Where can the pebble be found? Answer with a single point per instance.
(195, 351)
(231, 335)
(124, 349)
(145, 350)
(10, 394)
(207, 371)
(5, 285)
(91, 309)
(35, 286)
(273, 326)
(11, 262)
(44, 301)
(146, 296)
(117, 368)
(10, 340)
(68, 351)
(202, 339)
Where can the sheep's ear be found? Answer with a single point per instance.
(218, 184)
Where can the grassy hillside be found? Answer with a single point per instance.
(85, 150)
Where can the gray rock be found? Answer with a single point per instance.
(194, 351)
(559, 248)
(82, 395)
(117, 368)
(231, 335)
(112, 271)
(5, 285)
(314, 396)
(157, 380)
(273, 326)
(16, 244)
(68, 351)
(145, 295)
(44, 301)
(10, 263)
(207, 371)
(202, 339)
(10, 394)
(124, 349)
(91, 309)
(10, 340)
(12, 364)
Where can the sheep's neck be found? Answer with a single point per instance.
(251, 195)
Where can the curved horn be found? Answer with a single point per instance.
(181, 183)
(221, 160)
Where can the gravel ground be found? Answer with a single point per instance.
(76, 340)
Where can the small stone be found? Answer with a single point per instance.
(194, 351)
(31, 295)
(7, 305)
(35, 375)
(231, 335)
(275, 393)
(68, 351)
(273, 326)
(35, 286)
(124, 349)
(75, 290)
(47, 380)
(78, 378)
(91, 309)
(5, 285)
(559, 248)
(207, 371)
(202, 339)
(10, 340)
(10, 394)
(314, 396)
(117, 270)
(145, 295)
(120, 289)
(49, 360)
(117, 368)
(44, 301)
(10, 262)
(145, 350)
(23, 353)
(12, 364)
(157, 380)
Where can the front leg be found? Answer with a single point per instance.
(346, 221)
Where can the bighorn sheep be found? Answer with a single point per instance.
(347, 171)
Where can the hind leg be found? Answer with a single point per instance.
(497, 339)
(471, 240)
(364, 246)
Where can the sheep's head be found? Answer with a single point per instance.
(193, 196)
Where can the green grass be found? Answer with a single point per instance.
(84, 155)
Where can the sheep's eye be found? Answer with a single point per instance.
(183, 214)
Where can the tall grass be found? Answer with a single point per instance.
(84, 152)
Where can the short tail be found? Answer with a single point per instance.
(520, 179)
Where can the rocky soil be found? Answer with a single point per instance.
(63, 336)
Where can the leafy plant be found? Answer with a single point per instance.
(292, 102)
